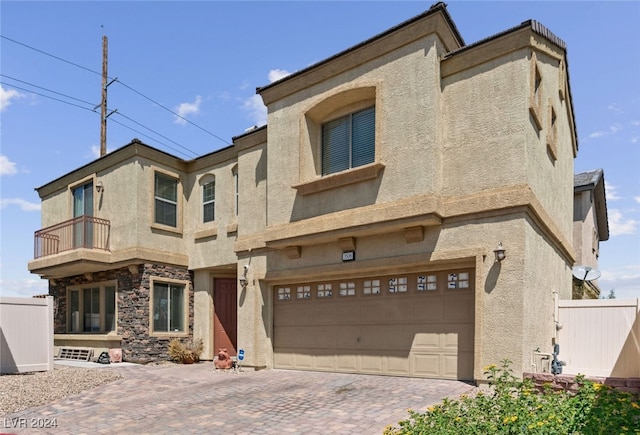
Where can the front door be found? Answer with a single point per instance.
(225, 306)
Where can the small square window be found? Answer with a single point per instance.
(427, 283)
(347, 289)
(324, 291)
(284, 294)
(371, 287)
(304, 292)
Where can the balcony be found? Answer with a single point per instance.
(82, 232)
(75, 246)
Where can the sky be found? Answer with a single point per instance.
(203, 61)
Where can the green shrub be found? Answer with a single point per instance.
(513, 406)
(186, 353)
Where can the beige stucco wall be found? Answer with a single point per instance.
(406, 119)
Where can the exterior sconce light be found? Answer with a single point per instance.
(500, 252)
(99, 187)
(243, 279)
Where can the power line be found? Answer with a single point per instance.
(45, 89)
(146, 135)
(49, 54)
(93, 111)
(47, 96)
(164, 137)
(121, 83)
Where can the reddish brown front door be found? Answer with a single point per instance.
(225, 325)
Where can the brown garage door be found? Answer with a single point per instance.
(410, 325)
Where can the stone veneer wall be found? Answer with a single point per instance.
(132, 307)
(568, 382)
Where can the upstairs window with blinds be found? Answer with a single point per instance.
(349, 141)
(166, 200)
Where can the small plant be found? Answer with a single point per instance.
(512, 406)
(185, 353)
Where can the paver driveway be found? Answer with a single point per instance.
(188, 399)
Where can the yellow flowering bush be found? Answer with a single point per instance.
(513, 406)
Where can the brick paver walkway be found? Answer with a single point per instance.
(196, 399)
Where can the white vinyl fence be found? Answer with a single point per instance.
(600, 337)
(26, 334)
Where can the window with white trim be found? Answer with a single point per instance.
(348, 141)
(92, 309)
(208, 202)
(168, 307)
(166, 200)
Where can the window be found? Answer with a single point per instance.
(304, 292)
(284, 294)
(347, 289)
(168, 309)
(166, 200)
(348, 141)
(92, 309)
(458, 280)
(208, 202)
(324, 291)
(83, 206)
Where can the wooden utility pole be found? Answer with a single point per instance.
(103, 105)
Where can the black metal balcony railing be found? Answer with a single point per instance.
(81, 232)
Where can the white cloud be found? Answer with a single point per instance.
(614, 108)
(610, 192)
(612, 130)
(6, 96)
(635, 139)
(23, 288)
(23, 204)
(619, 225)
(186, 109)
(277, 74)
(7, 167)
(635, 123)
(637, 199)
(256, 109)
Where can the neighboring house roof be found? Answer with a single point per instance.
(594, 181)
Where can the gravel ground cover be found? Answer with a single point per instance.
(27, 390)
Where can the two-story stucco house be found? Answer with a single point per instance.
(590, 227)
(355, 232)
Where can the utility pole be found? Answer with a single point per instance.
(103, 104)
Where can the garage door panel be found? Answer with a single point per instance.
(397, 364)
(426, 365)
(373, 309)
(348, 337)
(396, 309)
(398, 337)
(427, 310)
(419, 331)
(347, 311)
(347, 362)
(371, 363)
(458, 309)
(372, 337)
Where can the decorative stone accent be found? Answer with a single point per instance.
(132, 307)
(568, 382)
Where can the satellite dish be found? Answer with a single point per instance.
(586, 273)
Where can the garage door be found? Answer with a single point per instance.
(409, 325)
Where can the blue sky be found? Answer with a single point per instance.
(204, 60)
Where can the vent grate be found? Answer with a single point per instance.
(75, 353)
